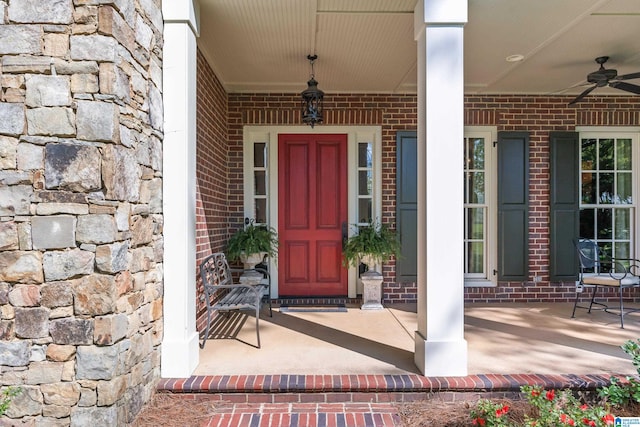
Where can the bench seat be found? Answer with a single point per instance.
(222, 295)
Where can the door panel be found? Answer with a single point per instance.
(312, 203)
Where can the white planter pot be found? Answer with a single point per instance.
(251, 260)
(370, 261)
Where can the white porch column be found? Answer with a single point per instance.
(179, 356)
(441, 349)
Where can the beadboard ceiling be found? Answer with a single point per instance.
(367, 46)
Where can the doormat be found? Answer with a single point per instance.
(339, 308)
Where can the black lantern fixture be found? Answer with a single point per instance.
(312, 99)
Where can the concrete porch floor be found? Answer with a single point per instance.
(539, 338)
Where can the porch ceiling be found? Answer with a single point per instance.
(367, 46)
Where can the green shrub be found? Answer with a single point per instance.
(6, 395)
(620, 394)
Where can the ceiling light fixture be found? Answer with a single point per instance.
(312, 98)
(515, 58)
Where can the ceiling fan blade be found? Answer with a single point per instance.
(583, 94)
(626, 87)
(629, 76)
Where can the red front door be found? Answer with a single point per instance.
(312, 208)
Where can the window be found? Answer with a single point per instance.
(260, 183)
(479, 206)
(365, 182)
(608, 191)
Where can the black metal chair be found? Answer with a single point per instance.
(597, 271)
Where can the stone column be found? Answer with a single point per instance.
(180, 343)
(80, 209)
(441, 349)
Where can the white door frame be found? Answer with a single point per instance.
(269, 135)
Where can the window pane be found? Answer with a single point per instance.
(588, 154)
(605, 153)
(475, 257)
(623, 154)
(607, 250)
(476, 183)
(260, 179)
(622, 223)
(364, 210)
(605, 224)
(476, 155)
(587, 223)
(259, 155)
(365, 155)
(261, 211)
(606, 188)
(475, 223)
(622, 250)
(589, 188)
(624, 188)
(365, 183)
(607, 181)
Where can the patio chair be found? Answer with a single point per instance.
(598, 271)
(222, 295)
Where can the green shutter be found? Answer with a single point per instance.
(564, 215)
(513, 206)
(407, 205)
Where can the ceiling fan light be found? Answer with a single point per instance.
(312, 98)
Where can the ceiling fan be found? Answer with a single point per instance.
(610, 77)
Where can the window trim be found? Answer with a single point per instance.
(355, 135)
(632, 132)
(490, 134)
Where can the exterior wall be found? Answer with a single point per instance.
(540, 115)
(81, 245)
(212, 172)
(392, 112)
(536, 114)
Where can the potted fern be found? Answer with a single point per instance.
(373, 244)
(251, 244)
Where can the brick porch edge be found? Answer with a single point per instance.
(347, 384)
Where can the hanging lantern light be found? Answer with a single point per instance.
(312, 98)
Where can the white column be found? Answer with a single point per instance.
(179, 356)
(441, 349)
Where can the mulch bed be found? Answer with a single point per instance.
(177, 410)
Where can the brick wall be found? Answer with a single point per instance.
(538, 115)
(392, 112)
(212, 172)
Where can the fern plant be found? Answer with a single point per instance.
(252, 239)
(375, 240)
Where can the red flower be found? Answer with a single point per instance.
(584, 407)
(588, 422)
(535, 393)
(608, 419)
(565, 419)
(502, 411)
(551, 394)
(479, 421)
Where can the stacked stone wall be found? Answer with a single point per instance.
(80, 209)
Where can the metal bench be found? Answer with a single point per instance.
(222, 295)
